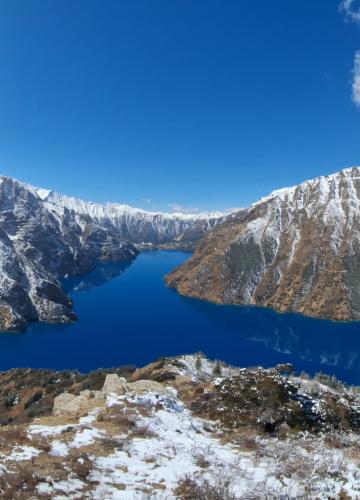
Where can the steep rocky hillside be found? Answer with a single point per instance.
(37, 248)
(179, 428)
(296, 250)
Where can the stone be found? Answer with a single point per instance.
(63, 404)
(114, 384)
(92, 394)
(71, 406)
(141, 386)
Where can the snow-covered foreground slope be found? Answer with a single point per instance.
(45, 236)
(141, 438)
(296, 250)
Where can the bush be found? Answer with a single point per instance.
(19, 484)
(189, 488)
(10, 399)
(34, 398)
(217, 370)
(198, 362)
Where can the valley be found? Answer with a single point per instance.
(45, 237)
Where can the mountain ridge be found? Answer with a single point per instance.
(136, 225)
(297, 249)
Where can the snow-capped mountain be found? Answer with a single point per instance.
(45, 236)
(134, 224)
(37, 247)
(298, 249)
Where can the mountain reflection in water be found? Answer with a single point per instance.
(104, 272)
(325, 343)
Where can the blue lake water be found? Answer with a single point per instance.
(128, 316)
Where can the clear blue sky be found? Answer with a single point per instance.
(208, 104)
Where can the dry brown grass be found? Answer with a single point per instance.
(79, 463)
(20, 483)
(142, 431)
(13, 435)
(41, 443)
(190, 488)
(353, 454)
(201, 460)
(111, 443)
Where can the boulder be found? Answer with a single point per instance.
(92, 394)
(141, 386)
(162, 370)
(71, 406)
(114, 384)
(64, 404)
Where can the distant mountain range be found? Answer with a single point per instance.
(298, 249)
(181, 230)
(45, 236)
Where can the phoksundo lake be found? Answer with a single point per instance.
(128, 316)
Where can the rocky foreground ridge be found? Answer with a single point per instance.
(44, 237)
(296, 250)
(182, 428)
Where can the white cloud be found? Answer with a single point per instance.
(356, 79)
(146, 200)
(176, 207)
(351, 9)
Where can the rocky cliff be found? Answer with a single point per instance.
(296, 250)
(37, 247)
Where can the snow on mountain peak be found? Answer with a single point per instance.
(114, 209)
(323, 182)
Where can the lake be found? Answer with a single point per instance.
(128, 316)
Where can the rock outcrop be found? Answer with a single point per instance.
(114, 384)
(296, 250)
(69, 406)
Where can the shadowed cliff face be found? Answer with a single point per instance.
(296, 250)
(37, 247)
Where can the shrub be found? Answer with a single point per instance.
(80, 464)
(217, 370)
(143, 431)
(9, 399)
(37, 396)
(190, 488)
(19, 484)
